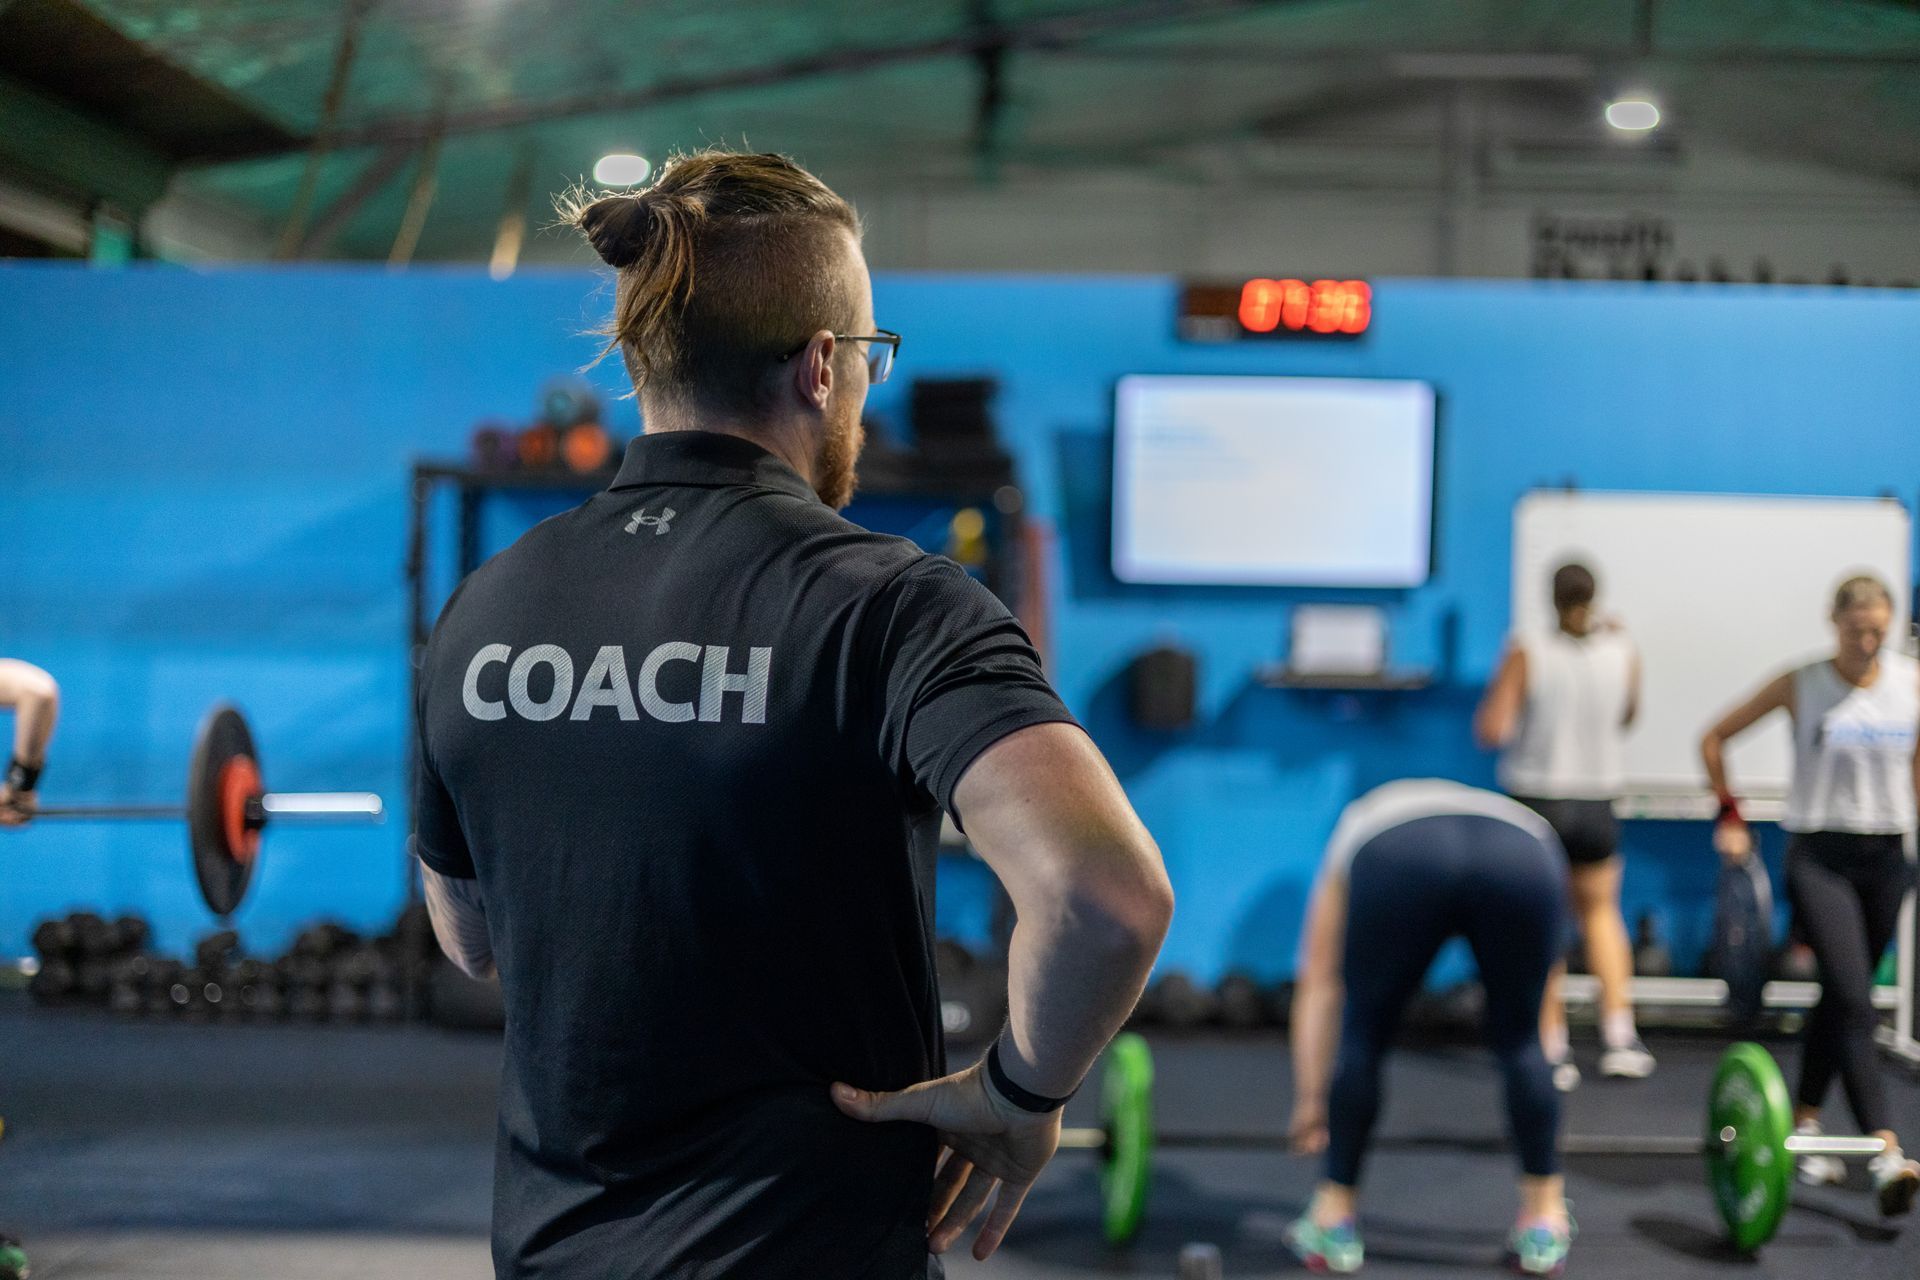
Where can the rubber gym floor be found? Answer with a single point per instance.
(135, 1149)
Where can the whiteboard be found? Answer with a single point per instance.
(1720, 592)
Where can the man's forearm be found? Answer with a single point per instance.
(1074, 974)
(1089, 893)
(459, 921)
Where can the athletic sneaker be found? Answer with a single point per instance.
(1630, 1061)
(1896, 1179)
(1818, 1171)
(1540, 1248)
(1566, 1076)
(13, 1260)
(1336, 1249)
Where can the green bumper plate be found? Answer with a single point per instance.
(1126, 1113)
(1749, 1118)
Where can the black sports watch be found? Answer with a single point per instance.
(1025, 1099)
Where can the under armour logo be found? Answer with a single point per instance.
(658, 522)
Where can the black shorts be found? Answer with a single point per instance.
(1587, 828)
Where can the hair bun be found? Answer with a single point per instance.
(617, 227)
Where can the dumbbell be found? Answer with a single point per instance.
(163, 973)
(130, 934)
(54, 982)
(54, 939)
(79, 955)
(126, 991)
(217, 950)
(1181, 1004)
(93, 937)
(1242, 1004)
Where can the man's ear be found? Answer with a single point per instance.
(813, 370)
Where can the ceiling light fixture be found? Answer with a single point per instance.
(1633, 115)
(621, 170)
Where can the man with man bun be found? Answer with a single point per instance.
(685, 752)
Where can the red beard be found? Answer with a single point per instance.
(833, 471)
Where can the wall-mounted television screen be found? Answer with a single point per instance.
(1267, 481)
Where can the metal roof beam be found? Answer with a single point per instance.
(1053, 33)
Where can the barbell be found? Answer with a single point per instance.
(1747, 1140)
(227, 808)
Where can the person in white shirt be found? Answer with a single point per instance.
(1558, 711)
(1850, 809)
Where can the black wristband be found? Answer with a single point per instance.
(22, 776)
(1025, 1099)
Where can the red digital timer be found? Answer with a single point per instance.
(1266, 308)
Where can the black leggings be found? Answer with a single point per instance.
(1846, 892)
(1411, 888)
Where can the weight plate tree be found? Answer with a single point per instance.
(227, 808)
(1747, 1140)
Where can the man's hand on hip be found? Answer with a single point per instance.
(988, 1142)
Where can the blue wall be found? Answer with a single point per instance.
(205, 495)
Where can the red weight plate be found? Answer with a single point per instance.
(222, 864)
(240, 790)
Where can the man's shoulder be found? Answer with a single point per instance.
(836, 557)
(850, 555)
(891, 581)
(501, 567)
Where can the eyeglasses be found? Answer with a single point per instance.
(882, 348)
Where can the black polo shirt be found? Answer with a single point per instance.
(694, 738)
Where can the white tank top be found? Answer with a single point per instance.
(1571, 744)
(1853, 749)
(1398, 803)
